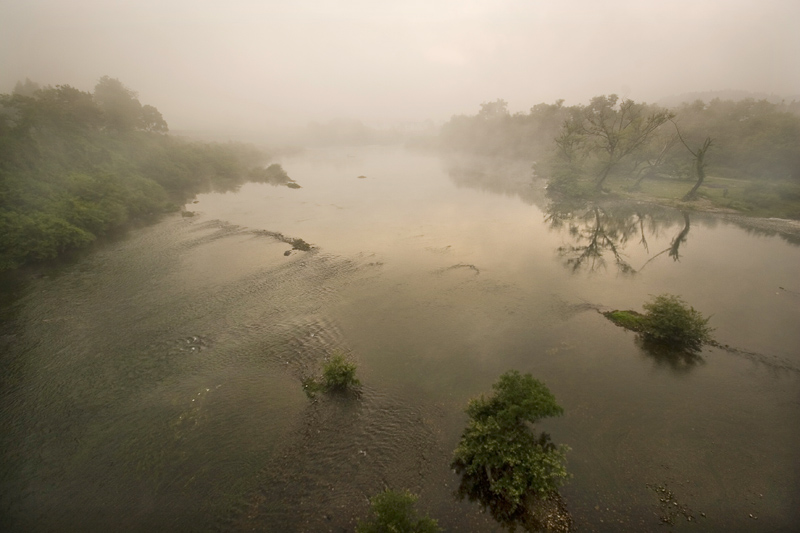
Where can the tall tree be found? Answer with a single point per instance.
(26, 88)
(119, 104)
(151, 120)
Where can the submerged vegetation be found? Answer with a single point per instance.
(739, 156)
(76, 165)
(393, 512)
(508, 469)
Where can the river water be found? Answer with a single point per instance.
(155, 383)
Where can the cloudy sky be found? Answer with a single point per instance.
(251, 64)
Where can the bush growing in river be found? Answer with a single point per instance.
(339, 374)
(502, 463)
(393, 511)
(668, 320)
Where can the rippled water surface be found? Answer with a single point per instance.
(155, 384)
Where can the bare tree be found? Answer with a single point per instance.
(699, 163)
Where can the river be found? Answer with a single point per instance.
(154, 384)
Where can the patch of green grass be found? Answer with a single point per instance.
(626, 319)
(764, 199)
(754, 198)
(665, 188)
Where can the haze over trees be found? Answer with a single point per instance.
(749, 150)
(76, 165)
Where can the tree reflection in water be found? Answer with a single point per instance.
(678, 361)
(535, 513)
(601, 233)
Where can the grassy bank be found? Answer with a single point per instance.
(718, 194)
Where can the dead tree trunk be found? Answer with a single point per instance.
(699, 169)
(699, 164)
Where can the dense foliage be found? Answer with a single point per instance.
(393, 512)
(502, 463)
(668, 320)
(76, 165)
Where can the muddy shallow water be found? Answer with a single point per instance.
(155, 384)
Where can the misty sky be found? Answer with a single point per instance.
(252, 64)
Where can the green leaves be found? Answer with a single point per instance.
(668, 320)
(501, 461)
(74, 166)
(339, 374)
(517, 398)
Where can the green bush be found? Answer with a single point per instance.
(339, 374)
(393, 512)
(669, 321)
(502, 463)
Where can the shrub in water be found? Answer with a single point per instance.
(668, 320)
(393, 512)
(339, 374)
(502, 463)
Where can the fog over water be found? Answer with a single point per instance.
(160, 376)
(260, 66)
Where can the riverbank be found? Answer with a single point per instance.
(775, 214)
(744, 198)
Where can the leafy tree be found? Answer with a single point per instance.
(610, 130)
(151, 120)
(502, 463)
(495, 131)
(494, 110)
(517, 399)
(119, 104)
(393, 512)
(26, 88)
(669, 321)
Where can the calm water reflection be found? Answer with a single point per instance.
(155, 384)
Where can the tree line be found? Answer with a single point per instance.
(614, 142)
(76, 165)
